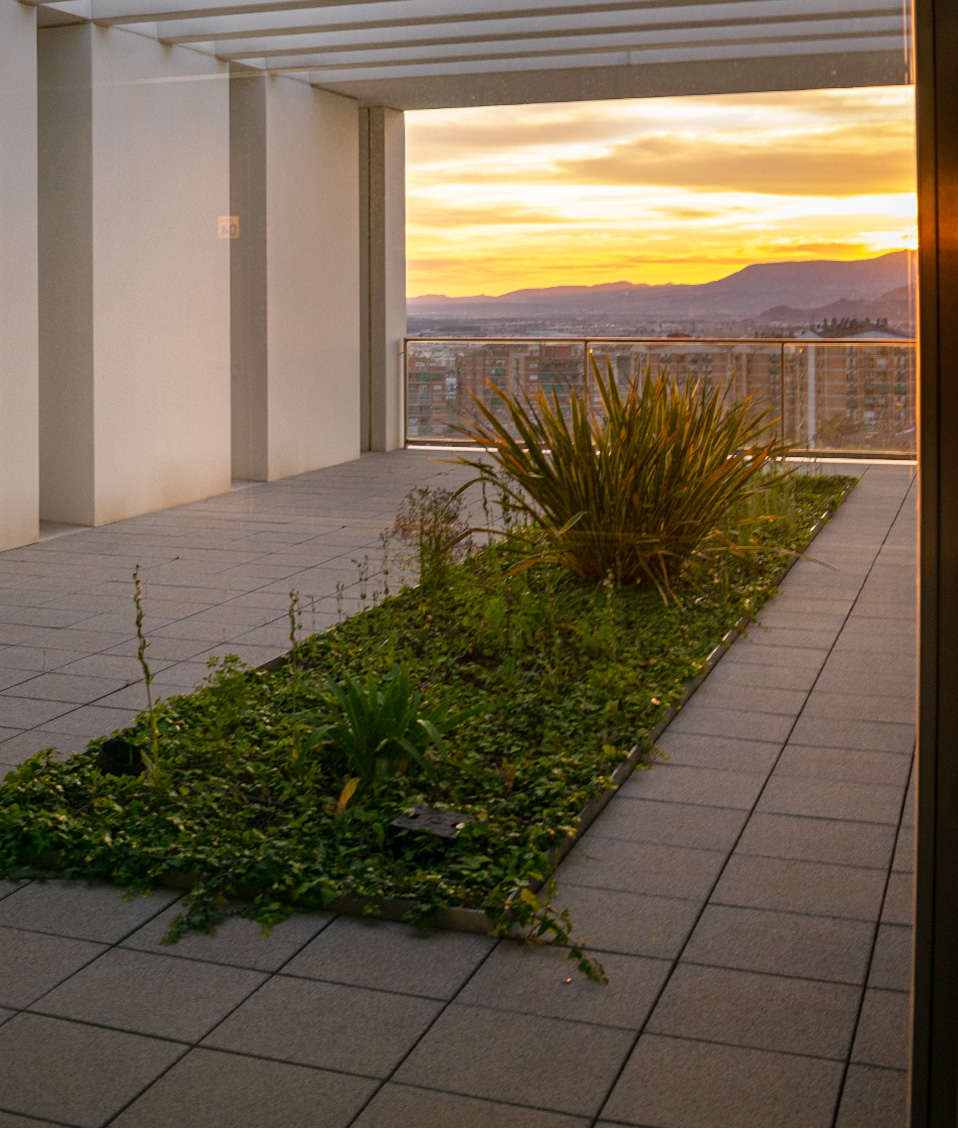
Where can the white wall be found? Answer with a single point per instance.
(151, 285)
(19, 474)
(295, 277)
(312, 193)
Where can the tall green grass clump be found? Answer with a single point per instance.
(633, 490)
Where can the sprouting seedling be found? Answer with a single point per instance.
(151, 761)
(362, 567)
(384, 545)
(294, 614)
(295, 617)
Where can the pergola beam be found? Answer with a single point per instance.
(395, 19)
(506, 37)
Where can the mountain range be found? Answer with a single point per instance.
(753, 292)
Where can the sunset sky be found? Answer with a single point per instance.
(657, 190)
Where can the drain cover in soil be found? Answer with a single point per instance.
(427, 820)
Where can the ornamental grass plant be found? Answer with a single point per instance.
(632, 490)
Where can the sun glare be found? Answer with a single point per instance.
(655, 190)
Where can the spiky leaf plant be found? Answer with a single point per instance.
(634, 489)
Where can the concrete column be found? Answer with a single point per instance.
(295, 277)
(134, 275)
(19, 476)
(383, 286)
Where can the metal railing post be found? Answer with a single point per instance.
(781, 394)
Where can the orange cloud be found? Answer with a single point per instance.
(833, 163)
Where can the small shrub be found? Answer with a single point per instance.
(632, 490)
(379, 725)
(430, 522)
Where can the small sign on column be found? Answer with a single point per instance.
(228, 227)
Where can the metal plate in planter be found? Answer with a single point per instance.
(427, 820)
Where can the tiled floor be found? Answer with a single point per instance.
(749, 896)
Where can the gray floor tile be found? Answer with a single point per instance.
(851, 678)
(673, 1083)
(869, 736)
(91, 720)
(127, 669)
(909, 811)
(630, 923)
(859, 707)
(875, 661)
(883, 1029)
(11, 1120)
(8, 887)
(899, 906)
(36, 658)
(792, 604)
(725, 753)
(708, 720)
(75, 638)
(13, 677)
(665, 871)
(873, 1098)
(397, 1105)
(803, 887)
(806, 637)
(540, 980)
(25, 712)
(31, 963)
(150, 994)
(780, 613)
(745, 652)
(237, 941)
(891, 961)
(724, 694)
(817, 840)
(831, 799)
(67, 1071)
(755, 675)
(326, 1025)
(765, 1012)
(392, 957)
(671, 824)
(854, 766)
(904, 860)
(73, 908)
(674, 783)
(518, 1058)
(212, 1089)
(68, 687)
(20, 748)
(782, 943)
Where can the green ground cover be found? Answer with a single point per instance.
(507, 695)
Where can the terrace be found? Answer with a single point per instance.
(750, 897)
(182, 361)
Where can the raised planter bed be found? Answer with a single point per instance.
(39, 816)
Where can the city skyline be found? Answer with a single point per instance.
(679, 190)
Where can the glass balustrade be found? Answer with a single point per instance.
(828, 396)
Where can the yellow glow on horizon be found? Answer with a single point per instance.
(655, 190)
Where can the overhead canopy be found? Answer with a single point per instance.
(419, 54)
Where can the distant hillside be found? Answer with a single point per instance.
(894, 307)
(745, 294)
